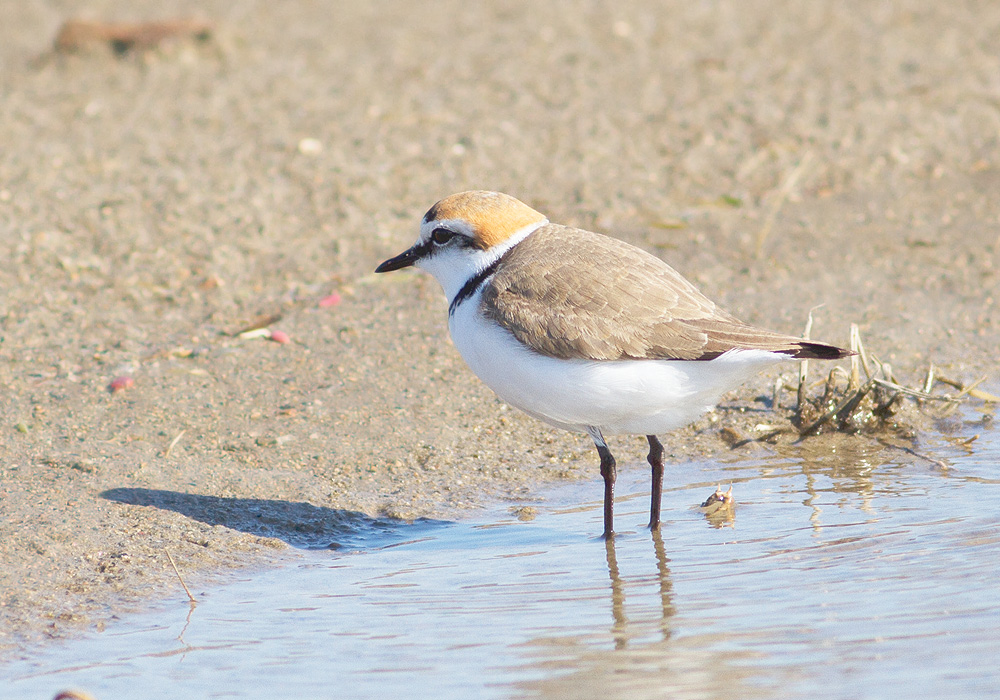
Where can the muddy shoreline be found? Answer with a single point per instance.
(154, 202)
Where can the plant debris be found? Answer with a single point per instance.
(863, 399)
(869, 405)
(852, 404)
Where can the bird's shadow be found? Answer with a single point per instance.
(299, 524)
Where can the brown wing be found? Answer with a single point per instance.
(569, 293)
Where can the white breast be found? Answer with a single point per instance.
(629, 396)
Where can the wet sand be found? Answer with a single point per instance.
(781, 156)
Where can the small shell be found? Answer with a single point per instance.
(720, 499)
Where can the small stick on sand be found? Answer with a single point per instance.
(963, 392)
(75, 34)
(971, 387)
(929, 382)
(885, 368)
(258, 325)
(854, 381)
(917, 394)
(971, 390)
(984, 396)
(779, 384)
(860, 349)
(908, 450)
(786, 189)
(800, 396)
(179, 578)
(173, 443)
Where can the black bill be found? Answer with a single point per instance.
(404, 259)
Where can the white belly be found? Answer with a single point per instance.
(643, 397)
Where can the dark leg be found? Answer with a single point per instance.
(610, 473)
(655, 459)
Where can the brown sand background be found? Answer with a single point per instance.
(781, 154)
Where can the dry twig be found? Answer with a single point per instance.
(971, 390)
(800, 396)
(173, 443)
(911, 451)
(179, 578)
(76, 34)
(779, 201)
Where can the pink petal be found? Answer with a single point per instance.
(331, 300)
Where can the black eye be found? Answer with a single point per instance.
(442, 235)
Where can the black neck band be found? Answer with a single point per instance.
(474, 283)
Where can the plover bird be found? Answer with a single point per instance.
(583, 331)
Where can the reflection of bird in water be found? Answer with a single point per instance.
(620, 628)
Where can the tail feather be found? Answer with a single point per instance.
(811, 350)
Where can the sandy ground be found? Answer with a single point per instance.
(781, 154)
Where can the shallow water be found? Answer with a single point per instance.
(839, 576)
